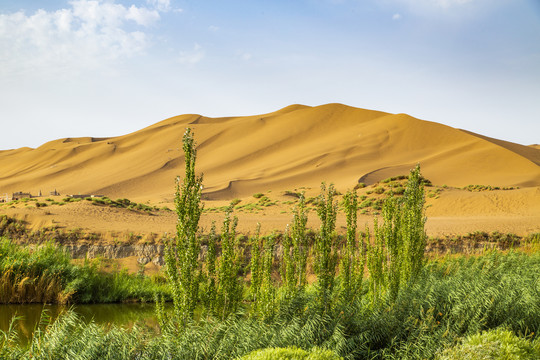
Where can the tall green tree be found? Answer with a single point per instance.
(300, 242)
(353, 253)
(397, 255)
(181, 256)
(265, 304)
(229, 289)
(256, 265)
(295, 252)
(413, 225)
(209, 295)
(288, 271)
(325, 254)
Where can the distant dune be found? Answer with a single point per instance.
(298, 146)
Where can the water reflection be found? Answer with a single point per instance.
(29, 315)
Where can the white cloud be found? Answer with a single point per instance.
(193, 56)
(86, 34)
(213, 28)
(396, 16)
(161, 5)
(142, 16)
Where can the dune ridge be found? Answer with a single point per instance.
(292, 147)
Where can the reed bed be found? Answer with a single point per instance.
(451, 301)
(46, 275)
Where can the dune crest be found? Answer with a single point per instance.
(290, 148)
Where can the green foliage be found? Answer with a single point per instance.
(209, 294)
(265, 201)
(70, 337)
(476, 188)
(124, 204)
(360, 186)
(497, 344)
(265, 302)
(47, 275)
(235, 202)
(288, 273)
(295, 253)
(397, 255)
(325, 254)
(413, 220)
(366, 203)
(292, 353)
(353, 255)
(181, 258)
(12, 228)
(394, 178)
(451, 299)
(300, 242)
(294, 194)
(229, 290)
(533, 238)
(256, 265)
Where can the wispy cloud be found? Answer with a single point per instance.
(432, 5)
(85, 34)
(161, 5)
(192, 56)
(142, 16)
(396, 16)
(449, 3)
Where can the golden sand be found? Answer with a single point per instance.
(298, 146)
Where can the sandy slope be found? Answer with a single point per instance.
(295, 146)
(298, 146)
(454, 211)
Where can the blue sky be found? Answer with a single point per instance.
(110, 67)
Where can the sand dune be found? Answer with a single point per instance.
(295, 146)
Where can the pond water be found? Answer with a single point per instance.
(29, 315)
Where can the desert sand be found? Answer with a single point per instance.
(295, 148)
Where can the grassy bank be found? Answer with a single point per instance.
(46, 275)
(441, 315)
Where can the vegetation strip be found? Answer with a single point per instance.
(46, 275)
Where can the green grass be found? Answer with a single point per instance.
(291, 353)
(452, 305)
(497, 344)
(476, 188)
(46, 274)
(124, 204)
